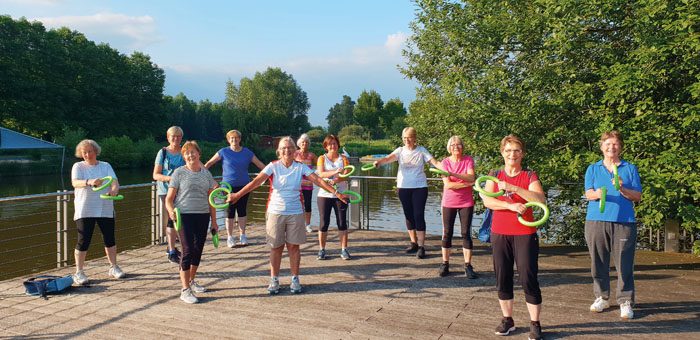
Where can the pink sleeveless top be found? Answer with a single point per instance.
(305, 183)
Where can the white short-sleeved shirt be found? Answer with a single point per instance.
(285, 195)
(87, 202)
(411, 172)
(329, 165)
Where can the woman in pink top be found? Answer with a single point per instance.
(457, 199)
(308, 158)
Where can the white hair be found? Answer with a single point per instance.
(302, 137)
(450, 141)
(279, 145)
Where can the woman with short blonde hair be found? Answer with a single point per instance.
(167, 160)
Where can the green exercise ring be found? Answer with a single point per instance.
(114, 198)
(335, 186)
(109, 180)
(222, 185)
(438, 171)
(349, 192)
(603, 194)
(215, 238)
(178, 223)
(477, 186)
(368, 167)
(211, 198)
(352, 171)
(541, 220)
(617, 178)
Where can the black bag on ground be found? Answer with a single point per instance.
(47, 284)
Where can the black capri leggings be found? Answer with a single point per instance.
(192, 236)
(240, 206)
(306, 194)
(522, 250)
(448, 222)
(86, 226)
(340, 209)
(413, 203)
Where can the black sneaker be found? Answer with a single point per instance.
(535, 331)
(444, 269)
(471, 274)
(174, 257)
(507, 325)
(412, 249)
(420, 253)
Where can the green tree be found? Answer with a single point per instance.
(393, 114)
(341, 115)
(559, 73)
(367, 111)
(275, 99)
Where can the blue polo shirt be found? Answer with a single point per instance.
(617, 207)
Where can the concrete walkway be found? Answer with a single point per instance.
(380, 294)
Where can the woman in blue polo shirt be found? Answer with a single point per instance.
(612, 231)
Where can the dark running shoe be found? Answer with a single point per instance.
(535, 331)
(471, 274)
(174, 257)
(507, 325)
(420, 253)
(412, 249)
(444, 270)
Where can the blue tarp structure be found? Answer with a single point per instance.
(12, 140)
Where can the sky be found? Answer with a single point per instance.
(331, 47)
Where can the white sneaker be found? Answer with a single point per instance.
(295, 286)
(116, 272)
(187, 296)
(309, 229)
(79, 278)
(230, 242)
(599, 305)
(244, 241)
(274, 286)
(626, 310)
(196, 287)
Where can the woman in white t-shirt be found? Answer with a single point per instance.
(330, 165)
(412, 186)
(90, 209)
(285, 214)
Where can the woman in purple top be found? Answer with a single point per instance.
(236, 159)
(457, 200)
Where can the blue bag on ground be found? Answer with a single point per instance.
(485, 229)
(47, 284)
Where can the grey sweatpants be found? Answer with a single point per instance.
(619, 240)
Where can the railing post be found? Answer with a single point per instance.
(354, 208)
(65, 200)
(155, 237)
(59, 230)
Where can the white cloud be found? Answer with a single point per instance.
(120, 31)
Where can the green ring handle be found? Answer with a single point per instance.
(178, 223)
(109, 180)
(222, 184)
(335, 186)
(617, 178)
(538, 222)
(352, 171)
(114, 198)
(603, 194)
(368, 167)
(215, 238)
(350, 192)
(438, 171)
(477, 186)
(211, 198)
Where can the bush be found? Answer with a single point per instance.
(120, 152)
(316, 135)
(355, 131)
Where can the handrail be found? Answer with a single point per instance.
(63, 193)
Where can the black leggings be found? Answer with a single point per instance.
(86, 226)
(325, 205)
(413, 203)
(192, 236)
(448, 222)
(240, 205)
(306, 194)
(522, 250)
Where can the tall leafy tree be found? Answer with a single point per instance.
(392, 118)
(275, 99)
(559, 73)
(367, 111)
(341, 115)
